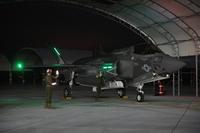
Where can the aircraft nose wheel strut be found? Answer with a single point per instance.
(140, 93)
(68, 88)
(67, 92)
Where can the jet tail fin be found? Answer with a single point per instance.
(131, 50)
(60, 60)
(125, 51)
(58, 55)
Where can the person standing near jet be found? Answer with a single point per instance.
(49, 78)
(99, 78)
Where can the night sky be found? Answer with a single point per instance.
(38, 24)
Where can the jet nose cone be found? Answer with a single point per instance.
(181, 64)
(172, 64)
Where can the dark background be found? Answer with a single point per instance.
(36, 24)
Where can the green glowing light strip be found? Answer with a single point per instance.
(56, 51)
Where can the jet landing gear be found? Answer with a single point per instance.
(68, 88)
(140, 93)
(121, 92)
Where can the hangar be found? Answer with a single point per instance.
(169, 25)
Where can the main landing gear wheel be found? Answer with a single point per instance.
(121, 92)
(140, 97)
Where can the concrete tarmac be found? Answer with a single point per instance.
(22, 111)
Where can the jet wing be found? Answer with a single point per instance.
(54, 66)
(148, 77)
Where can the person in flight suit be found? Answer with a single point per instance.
(49, 80)
(100, 82)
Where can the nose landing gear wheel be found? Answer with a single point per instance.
(140, 97)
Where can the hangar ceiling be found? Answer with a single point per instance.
(172, 25)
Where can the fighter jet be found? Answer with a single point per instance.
(118, 70)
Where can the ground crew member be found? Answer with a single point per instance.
(49, 78)
(99, 78)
